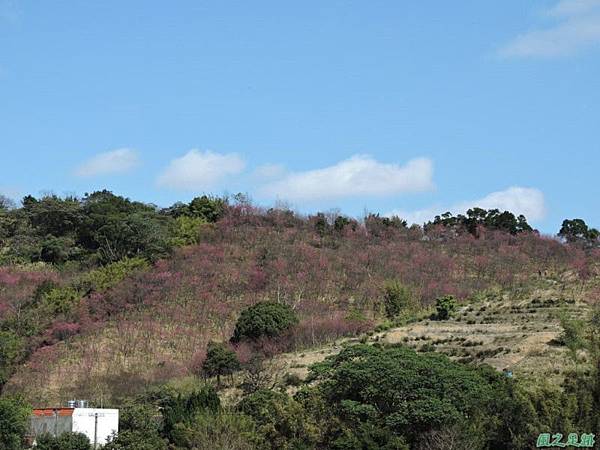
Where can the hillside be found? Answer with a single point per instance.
(137, 324)
(517, 330)
(155, 324)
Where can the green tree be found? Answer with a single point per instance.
(280, 419)
(181, 409)
(14, 422)
(114, 227)
(445, 307)
(220, 360)
(264, 319)
(208, 208)
(139, 429)
(577, 231)
(377, 394)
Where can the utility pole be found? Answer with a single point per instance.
(95, 431)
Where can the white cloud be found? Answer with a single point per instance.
(198, 170)
(116, 161)
(518, 200)
(577, 27)
(359, 175)
(269, 171)
(567, 8)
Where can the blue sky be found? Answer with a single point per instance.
(413, 107)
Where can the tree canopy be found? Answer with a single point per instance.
(265, 319)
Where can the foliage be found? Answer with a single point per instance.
(10, 349)
(379, 394)
(264, 319)
(186, 230)
(577, 231)
(396, 298)
(208, 208)
(105, 277)
(65, 441)
(221, 430)
(180, 408)
(573, 334)
(445, 307)
(220, 360)
(478, 218)
(136, 440)
(280, 419)
(14, 422)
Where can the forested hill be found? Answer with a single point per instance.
(105, 298)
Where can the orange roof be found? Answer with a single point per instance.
(51, 411)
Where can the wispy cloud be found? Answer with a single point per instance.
(199, 170)
(576, 27)
(360, 175)
(117, 161)
(519, 200)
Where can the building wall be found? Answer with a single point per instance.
(84, 421)
(55, 425)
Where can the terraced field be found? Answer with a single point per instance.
(516, 331)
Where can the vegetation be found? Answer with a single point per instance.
(219, 361)
(445, 306)
(478, 218)
(577, 231)
(397, 298)
(14, 422)
(146, 306)
(66, 441)
(264, 320)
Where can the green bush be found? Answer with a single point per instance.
(218, 431)
(264, 320)
(445, 307)
(291, 379)
(61, 300)
(280, 420)
(105, 277)
(65, 441)
(186, 230)
(396, 298)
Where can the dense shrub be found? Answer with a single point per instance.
(445, 307)
(280, 420)
(221, 430)
(65, 441)
(136, 440)
(264, 320)
(14, 422)
(384, 393)
(396, 298)
(178, 408)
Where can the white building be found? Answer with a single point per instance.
(97, 424)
